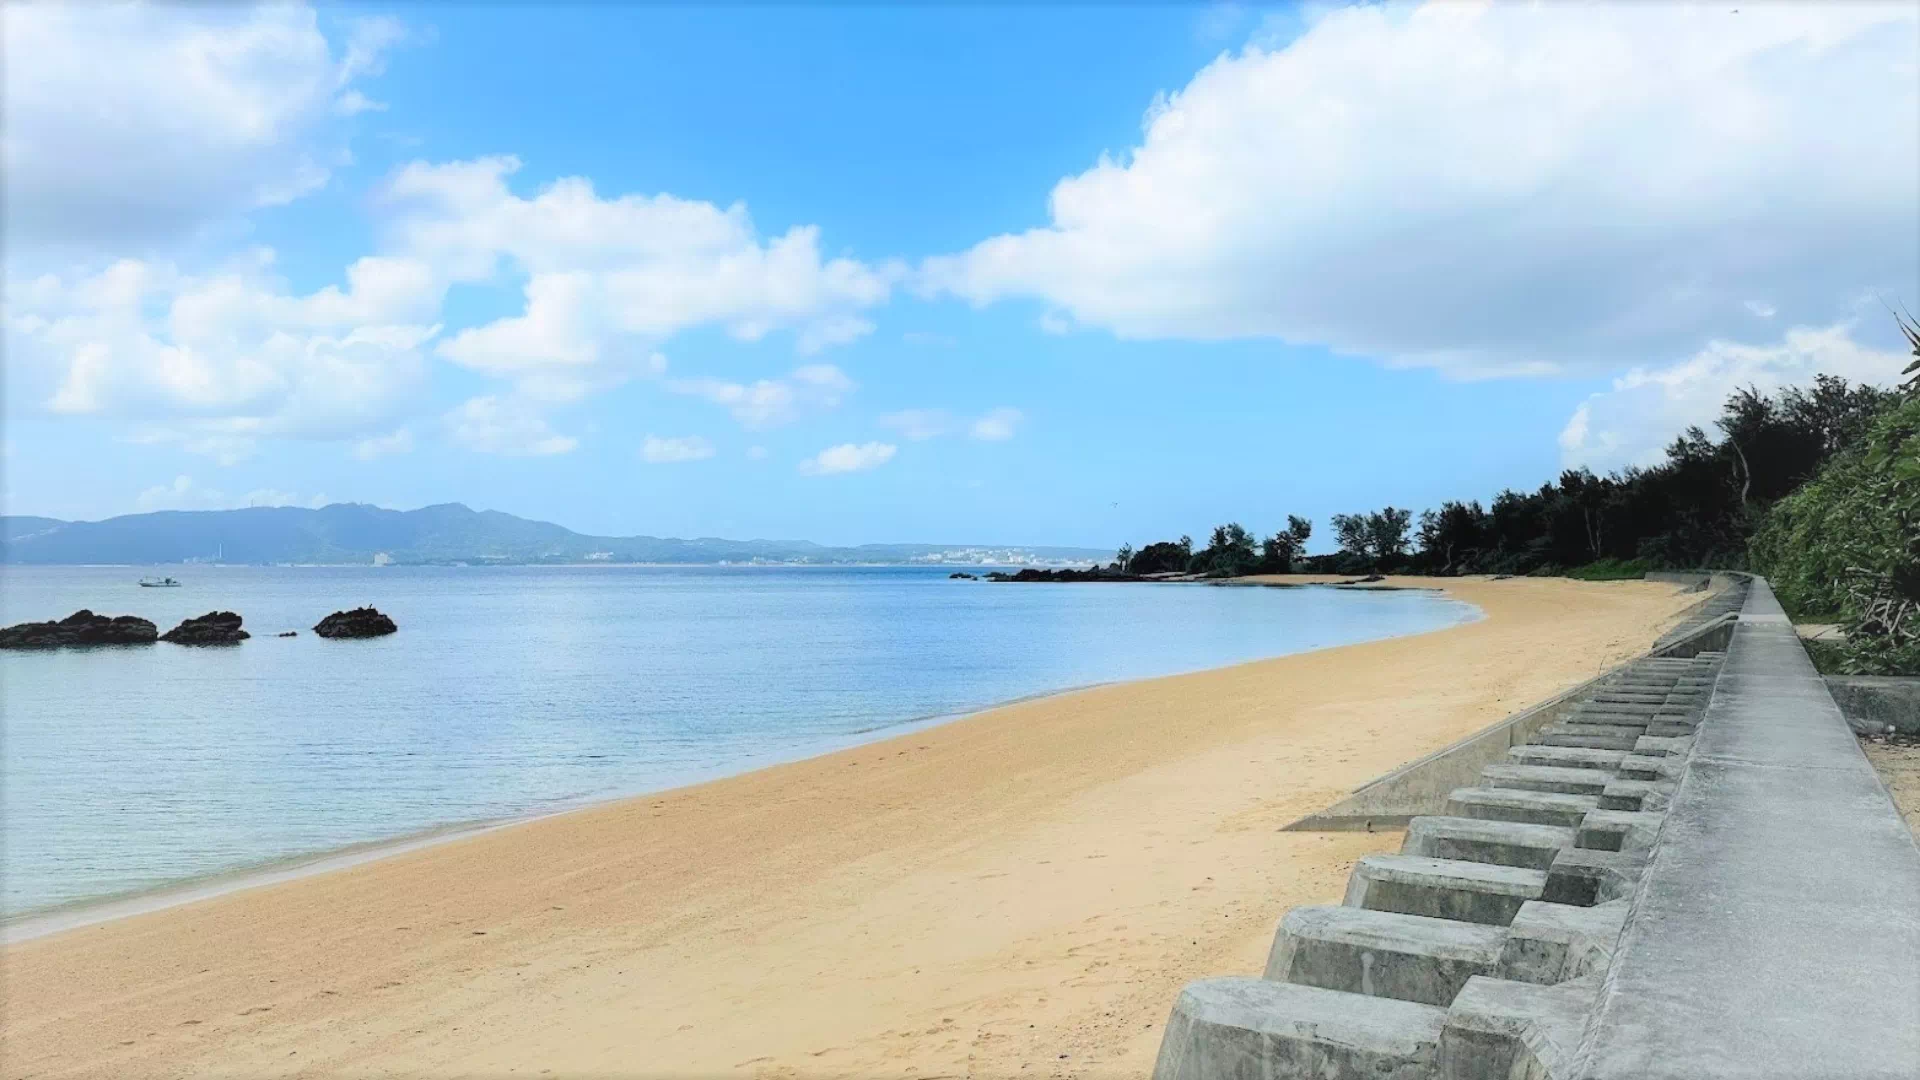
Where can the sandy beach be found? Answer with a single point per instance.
(1017, 893)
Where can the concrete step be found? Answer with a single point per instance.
(1566, 757)
(1382, 953)
(1547, 778)
(1618, 830)
(1443, 888)
(1663, 746)
(1505, 1029)
(1592, 742)
(1527, 807)
(1551, 943)
(1241, 1027)
(1650, 767)
(1636, 795)
(1504, 843)
(1583, 877)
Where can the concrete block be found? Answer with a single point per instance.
(1531, 807)
(1636, 795)
(1619, 830)
(1497, 1029)
(1546, 778)
(1667, 746)
(1650, 767)
(1504, 843)
(1595, 742)
(1382, 953)
(1566, 757)
(1552, 943)
(1443, 888)
(1257, 1029)
(1584, 877)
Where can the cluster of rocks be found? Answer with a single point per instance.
(83, 628)
(1097, 573)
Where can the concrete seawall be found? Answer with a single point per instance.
(1421, 787)
(1690, 872)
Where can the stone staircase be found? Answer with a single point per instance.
(1478, 950)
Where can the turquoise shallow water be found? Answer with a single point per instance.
(511, 691)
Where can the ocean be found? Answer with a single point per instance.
(513, 691)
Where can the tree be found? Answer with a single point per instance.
(1277, 552)
(1229, 552)
(1387, 535)
(1350, 532)
(1124, 557)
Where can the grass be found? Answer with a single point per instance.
(1611, 570)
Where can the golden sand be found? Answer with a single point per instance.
(1018, 893)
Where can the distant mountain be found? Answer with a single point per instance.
(450, 532)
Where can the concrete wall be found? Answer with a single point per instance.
(1878, 704)
(1421, 787)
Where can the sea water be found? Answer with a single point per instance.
(511, 691)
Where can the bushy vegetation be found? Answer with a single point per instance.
(1846, 544)
(1818, 488)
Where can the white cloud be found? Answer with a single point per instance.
(503, 425)
(848, 457)
(1764, 311)
(919, 424)
(218, 361)
(658, 451)
(130, 125)
(608, 277)
(353, 103)
(997, 425)
(767, 403)
(757, 453)
(1632, 422)
(1496, 188)
(399, 441)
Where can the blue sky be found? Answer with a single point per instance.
(1067, 274)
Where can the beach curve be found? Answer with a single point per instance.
(1022, 888)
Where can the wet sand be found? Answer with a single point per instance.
(1017, 893)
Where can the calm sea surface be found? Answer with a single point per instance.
(511, 691)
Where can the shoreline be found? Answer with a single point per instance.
(1020, 889)
(36, 924)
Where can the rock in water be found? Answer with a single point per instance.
(288, 633)
(213, 628)
(360, 622)
(82, 627)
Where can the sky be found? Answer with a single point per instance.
(1019, 274)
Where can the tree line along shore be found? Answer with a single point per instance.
(1817, 488)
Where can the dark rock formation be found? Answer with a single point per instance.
(80, 628)
(213, 628)
(288, 633)
(360, 622)
(1097, 573)
(961, 576)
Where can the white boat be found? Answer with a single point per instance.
(159, 583)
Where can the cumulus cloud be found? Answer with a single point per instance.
(996, 426)
(849, 457)
(1495, 188)
(129, 125)
(767, 403)
(658, 451)
(609, 275)
(491, 424)
(217, 361)
(1632, 421)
